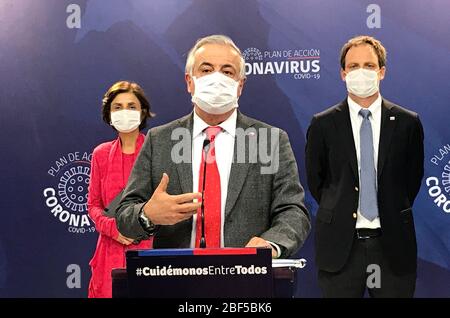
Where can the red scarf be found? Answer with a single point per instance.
(114, 180)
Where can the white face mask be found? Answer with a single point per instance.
(215, 93)
(362, 83)
(126, 120)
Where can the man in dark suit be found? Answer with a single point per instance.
(364, 161)
(247, 202)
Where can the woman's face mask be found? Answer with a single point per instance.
(126, 120)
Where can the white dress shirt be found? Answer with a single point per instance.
(224, 145)
(375, 121)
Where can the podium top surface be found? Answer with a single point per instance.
(194, 251)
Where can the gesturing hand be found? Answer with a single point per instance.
(166, 209)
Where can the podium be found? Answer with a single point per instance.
(202, 273)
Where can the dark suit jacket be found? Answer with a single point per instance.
(267, 205)
(333, 180)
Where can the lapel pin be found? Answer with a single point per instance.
(392, 118)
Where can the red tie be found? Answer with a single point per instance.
(212, 203)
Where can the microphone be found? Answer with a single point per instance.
(205, 149)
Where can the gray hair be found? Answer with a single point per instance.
(214, 39)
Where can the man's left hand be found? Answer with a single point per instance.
(260, 242)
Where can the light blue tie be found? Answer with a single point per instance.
(368, 203)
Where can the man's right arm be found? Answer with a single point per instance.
(138, 190)
(140, 196)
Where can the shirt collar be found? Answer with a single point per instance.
(229, 125)
(374, 108)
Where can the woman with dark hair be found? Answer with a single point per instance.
(126, 109)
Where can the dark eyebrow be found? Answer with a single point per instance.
(128, 103)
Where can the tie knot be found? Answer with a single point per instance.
(365, 113)
(212, 132)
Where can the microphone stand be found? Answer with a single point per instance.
(205, 150)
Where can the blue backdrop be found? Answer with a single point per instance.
(58, 57)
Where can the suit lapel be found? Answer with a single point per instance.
(343, 127)
(387, 128)
(184, 169)
(239, 171)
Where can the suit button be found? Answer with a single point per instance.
(354, 215)
(356, 189)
